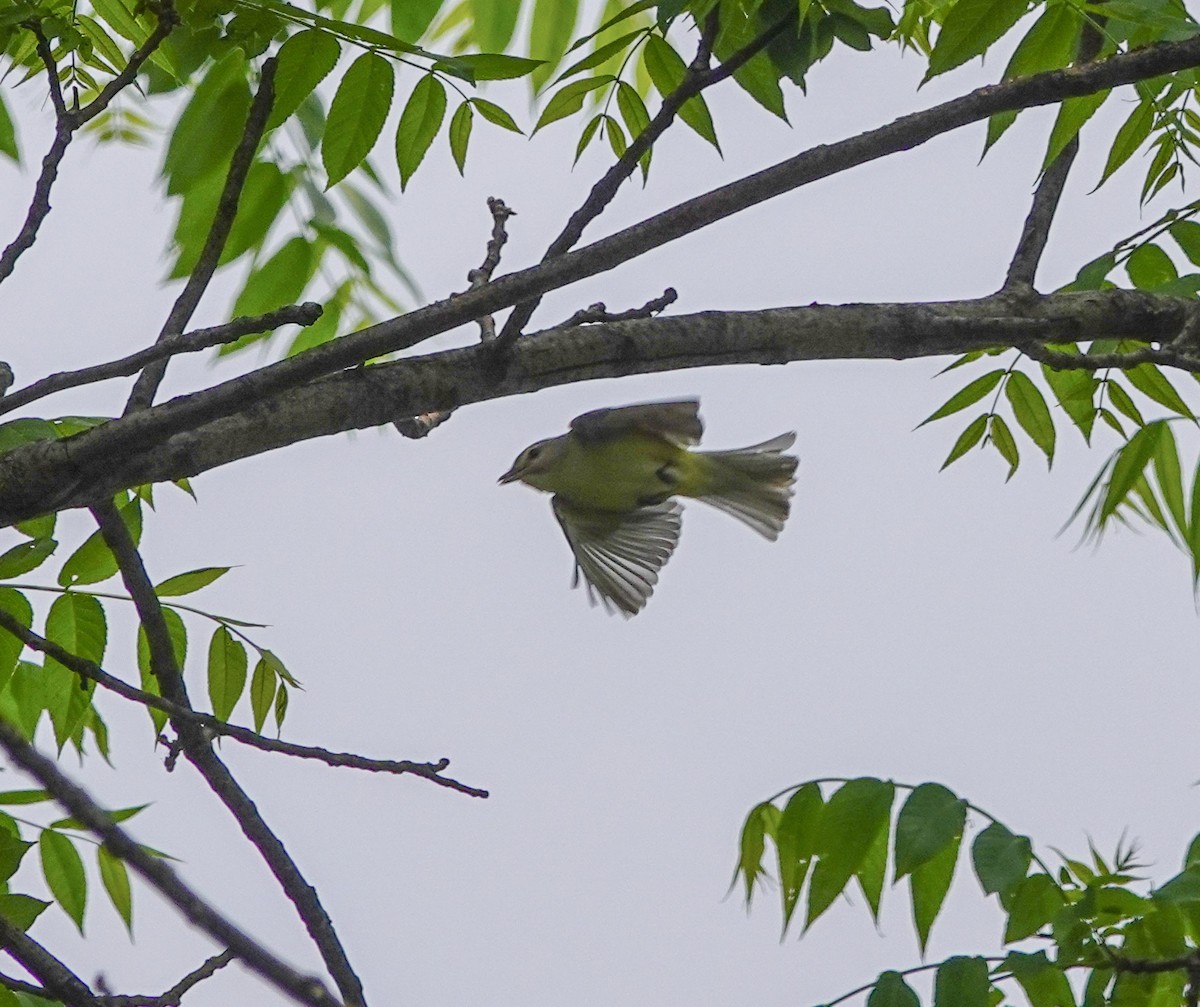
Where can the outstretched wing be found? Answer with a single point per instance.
(620, 554)
(678, 422)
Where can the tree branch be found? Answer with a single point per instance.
(173, 996)
(243, 393)
(197, 748)
(158, 874)
(48, 475)
(54, 976)
(1036, 231)
(185, 304)
(189, 342)
(699, 75)
(89, 671)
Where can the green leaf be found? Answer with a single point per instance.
(568, 100)
(1072, 114)
(928, 884)
(1130, 462)
(1044, 983)
(12, 851)
(190, 582)
(1123, 403)
(178, 633)
(750, 847)
(1184, 887)
(278, 281)
(1002, 438)
(38, 527)
(601, 54)
(796, 843)
(1151, 382)
(305, 60)
(262, 692)
(16, 605)
(495, 66)
(22, 910)
(460, 134)
(967, 439)
(1129, 138)
(667, 71)
(356, 115)
(1169, 477)
(495, 21)
(93, 561)
(1187, 235)
(494, 114)
(1030, 410)
(966, 396)
(264, 197)
(419, 124)
(931, 820)
(970, 28)
(25, 557)
(1033, 903)
(871, 873)
(890, 990)
(226, 672)
(76, 623)
(64, 874)
(637, 119)
(1001, 859)
(210, 126)
(1149, 267)
(19, 797)
(962, 982)
(410, 18)
(8, 134)
(281, 704)
(550, 32)
(115, 878)
(854, 816)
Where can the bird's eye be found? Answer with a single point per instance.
(534, 452)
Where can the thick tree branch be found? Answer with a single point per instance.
(159, 875)
(198, 749)
(54, 976)
(146, 386)
(699, 75)
(188, 342)
(38, 477)
(89, 671)
(245, 393)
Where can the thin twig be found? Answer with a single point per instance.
(416, 427)
(185, 304)
(1036, 231)
(599, 312)
(189, 342)
(197, 746)
(173, 996)
(699, 75)
(68, 121)
(89, 671)
(1165, 356)
(55, 977)
(21, 986)
(158, 874)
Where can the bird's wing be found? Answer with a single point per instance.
(620, 554)
(678, 422)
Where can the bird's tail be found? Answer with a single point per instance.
(753, 484)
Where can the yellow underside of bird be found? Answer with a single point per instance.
(613, 477)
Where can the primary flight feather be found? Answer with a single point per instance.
(614, 476)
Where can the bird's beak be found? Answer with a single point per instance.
(511, 476)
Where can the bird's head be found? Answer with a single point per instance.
(536, 461)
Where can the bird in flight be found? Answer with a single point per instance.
(615, 476)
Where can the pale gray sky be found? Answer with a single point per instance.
(907, 624)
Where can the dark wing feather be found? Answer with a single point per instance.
(678, 422)
(619, 554)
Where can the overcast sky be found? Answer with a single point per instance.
(907, 624)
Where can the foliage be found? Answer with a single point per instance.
(369, 90)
